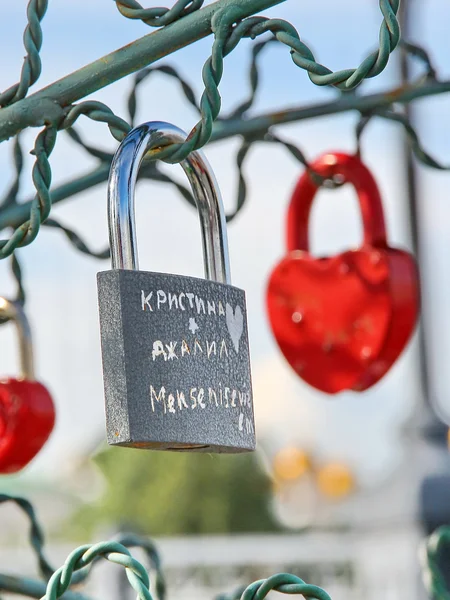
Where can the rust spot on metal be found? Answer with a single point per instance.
(396, 93)
(281, 114)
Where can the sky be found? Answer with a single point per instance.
(362, 429)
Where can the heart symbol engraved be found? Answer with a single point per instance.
(235, 324)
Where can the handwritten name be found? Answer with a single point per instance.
(183, 301)
(200, 398)
(179, 349)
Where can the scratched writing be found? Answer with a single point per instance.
(161, 300)
(175, 350)
(198, 398)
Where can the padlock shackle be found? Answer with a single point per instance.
(353, 171)
(15, 312)
(121, 199)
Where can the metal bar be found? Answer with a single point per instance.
(426, 417)
(402, 95)
(429, 412)
(16, 214)
(411, 180)
(45, 105)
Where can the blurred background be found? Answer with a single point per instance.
(339, 485)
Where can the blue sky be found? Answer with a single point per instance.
(61, 286)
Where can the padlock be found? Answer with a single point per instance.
(175, 352)
(342, 321)
(27, 413)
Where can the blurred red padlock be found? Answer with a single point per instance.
(342, 321)
(27, 413)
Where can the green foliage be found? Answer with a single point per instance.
(165, 493)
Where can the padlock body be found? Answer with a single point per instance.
(176, 363)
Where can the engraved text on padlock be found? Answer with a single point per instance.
(175, 349)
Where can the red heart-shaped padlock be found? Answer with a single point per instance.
(27, 413)
(341, 322)
(27, 417)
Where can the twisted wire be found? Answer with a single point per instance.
(131, 540)
(84, 555)
(76, 240)
(8, 199)
(157, 17)
(432, 576)
(422, 55)
(282, 582)
(302, 56)
(42, 174)
(20, 295)
(102, 155)
(227, 36)
(17, 274)
(32, 40)
(144, 74)
(295, 151)
(40, 207)
(210, 101)
(78, 565)
(416, 146)
(11, 193)
(97, 111)
(36, 535)
(253, 77)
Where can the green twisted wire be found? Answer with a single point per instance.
(40, 209)
(36, 535)
(282, 582)
(420, 153)
(139, 580)
(42, 175)
(85, 555)
(302, 56)
(226, 37)
(158, 16)
(432, 576)
(32, 40)
(83, 567)
(97, 111)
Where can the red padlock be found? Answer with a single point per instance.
(342, 321)
(27, 413)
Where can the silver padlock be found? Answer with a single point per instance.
(176, 362)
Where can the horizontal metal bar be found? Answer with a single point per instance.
(256, 125)
(45, 105)
(16, 214)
